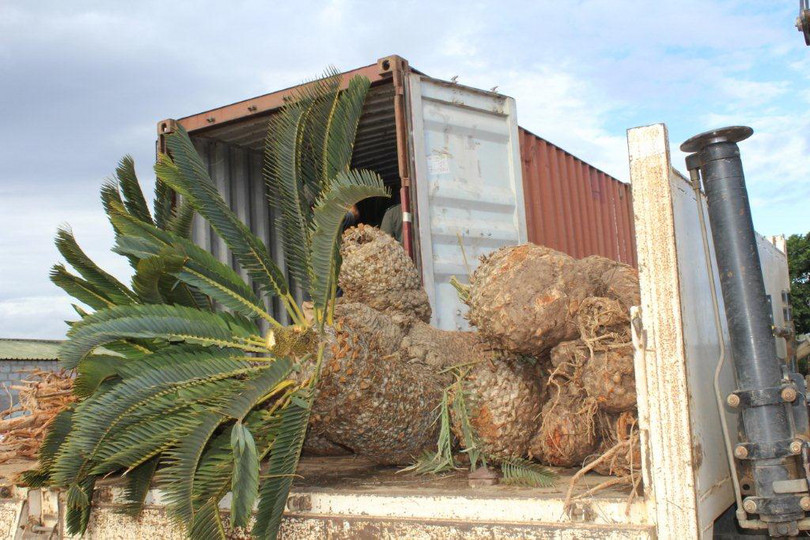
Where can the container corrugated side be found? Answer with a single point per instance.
(572, 206)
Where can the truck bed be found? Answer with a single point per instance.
(350, 497)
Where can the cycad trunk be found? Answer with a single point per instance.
(383, 378)
(385, 370)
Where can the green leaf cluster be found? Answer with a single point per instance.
(515, 471)
(177, 382)
(798, 248)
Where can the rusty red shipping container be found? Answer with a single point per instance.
(572, 206)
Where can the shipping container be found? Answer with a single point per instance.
(469, 179)
(686, 483)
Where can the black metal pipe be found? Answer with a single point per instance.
(767, 419)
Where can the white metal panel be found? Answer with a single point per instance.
(773, 256)
(712, 479)
(687, 466)
(468, 183)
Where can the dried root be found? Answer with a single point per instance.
(42, 395)
(620, 431)
(608, 374)
(567, 433)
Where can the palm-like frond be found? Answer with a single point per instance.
(213, 476)
(138, 482)
(94, 370)
(522, 472)
(57, 433)
(182, 403)
(181, 463)
(134, 201)
(342, 128)
(164, 201)
(207, 523)
(168, 323)
(110, 194)
(176, 214)
(195, 184)
(78, 499)
(245, 480)
(286, 185)
(347, 189)
(197, 268)
(150, 274)
(284, 458)
(113, 289)
(148, 390)
(78, 288)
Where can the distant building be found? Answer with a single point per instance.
(20, 355)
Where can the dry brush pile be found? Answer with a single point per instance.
(41, 396)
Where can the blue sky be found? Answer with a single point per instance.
(82, 83)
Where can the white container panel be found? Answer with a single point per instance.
(469, 187)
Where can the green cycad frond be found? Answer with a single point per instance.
(251, 253)
(77, 514)
(322, 96)
(286, 185)
(181, 221)
(199, 268)
(134, 201)
(213, 476)
(166, 409)
(309, 141)
(164, 196)
(284, 457)
(181, 462)
(90, 271)
(82, 290)
(184, 494)
(138, 483)
(168, 323)
(219, 281)
(342, 128)
(522, 472)
(207, 522)
(110, 194)
(176, 215)
(245, 480)
(187, 373)
(149, 275)
(347, 189)
(94, 370)
(57, 433)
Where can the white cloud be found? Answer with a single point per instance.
(36, 317)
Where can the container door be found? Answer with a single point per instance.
(469, 189)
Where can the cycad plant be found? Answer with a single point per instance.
(178, 383)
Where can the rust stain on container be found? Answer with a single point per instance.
(574, 207)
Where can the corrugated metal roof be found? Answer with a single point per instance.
(29, 349)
